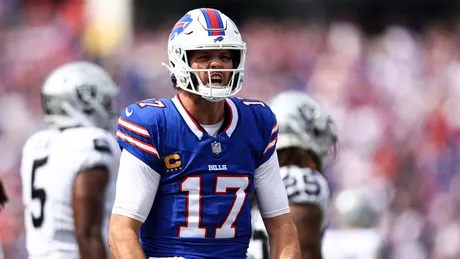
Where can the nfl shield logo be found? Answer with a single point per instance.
(216, 148)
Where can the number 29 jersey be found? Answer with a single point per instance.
(303, 186)
(201, 208)
(50, 162)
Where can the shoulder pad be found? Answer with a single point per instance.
(144, 112)
(89, 138)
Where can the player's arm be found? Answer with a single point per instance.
(308, 218)
(308, 194)
(282, 235)
(138, 179)
(137, 185)
(123, 237)
(274, 208)
(94, 157)
(271, 194)
(88, 211)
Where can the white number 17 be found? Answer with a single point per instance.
(192, 186)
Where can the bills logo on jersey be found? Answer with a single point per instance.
(180, 26)
(216, 147)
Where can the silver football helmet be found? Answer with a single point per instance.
(205, 29)
(353, 209)
(304, 123)
(78, 94)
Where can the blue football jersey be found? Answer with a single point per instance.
(202, 206)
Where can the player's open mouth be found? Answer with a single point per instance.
(217, 79)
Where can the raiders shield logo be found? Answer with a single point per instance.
(216, 148)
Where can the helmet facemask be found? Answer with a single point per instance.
(188, 79)
(62, 113)
(326, 141)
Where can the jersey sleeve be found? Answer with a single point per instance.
(269, 189)
(133, 174)
(137, 133)
(89, 148)
(98, 153)
(269, 133)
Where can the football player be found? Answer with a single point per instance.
(356, 235)
(306, 138)
(190, 163)
(69, 170)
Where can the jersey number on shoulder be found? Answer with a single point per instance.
(192, 186)
(151, 103)
(39, 194)
(252, 102)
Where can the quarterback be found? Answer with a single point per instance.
(190, 163)
(68, 171)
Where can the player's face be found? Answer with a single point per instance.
(212, 59)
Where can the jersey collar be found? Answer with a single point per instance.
(196, 128)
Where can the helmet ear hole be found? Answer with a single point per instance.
(173, 76)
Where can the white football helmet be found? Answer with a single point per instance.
(78, 94)
(304, 123)
(353, 209)
(205, 29)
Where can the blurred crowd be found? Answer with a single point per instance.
(392, 95)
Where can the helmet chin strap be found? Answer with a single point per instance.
(208, 98)
(213, 99)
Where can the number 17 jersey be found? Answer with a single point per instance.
(201, 208)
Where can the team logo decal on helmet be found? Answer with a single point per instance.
(180, 26)
(218, 39)
(213, 22)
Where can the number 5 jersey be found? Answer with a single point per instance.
(51, 160)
